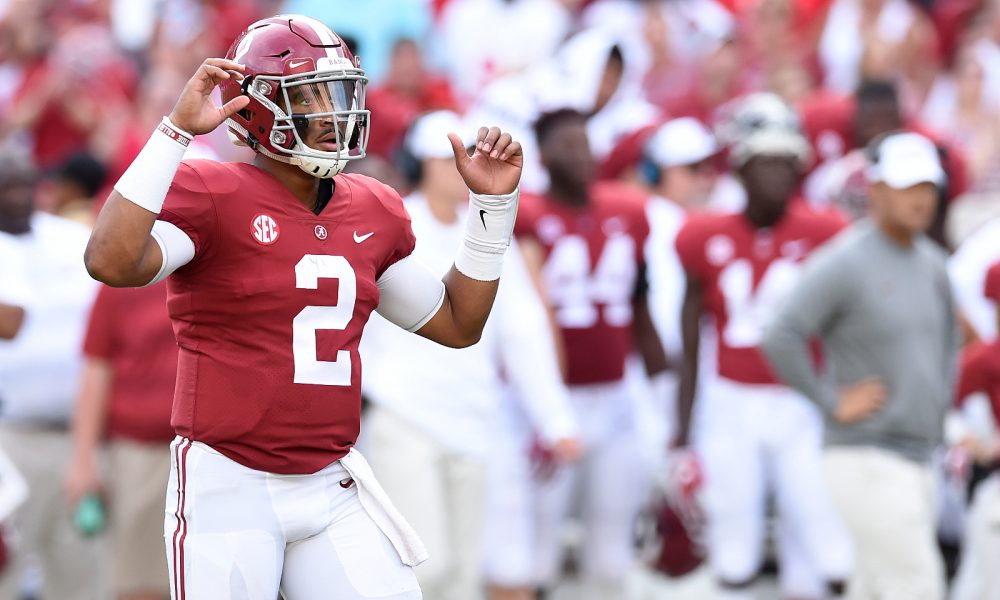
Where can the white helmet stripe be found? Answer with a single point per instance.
(322, 31)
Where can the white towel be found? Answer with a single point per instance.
(378, 506)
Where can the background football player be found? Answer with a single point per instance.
(589, 238)
(756, 437)
(274, 268)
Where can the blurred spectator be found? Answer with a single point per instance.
(678, 172)
(592, 74)
(880, 300)
(756, 438)
(374, 25)
(72, 187)
(681, 31)
(432, 429)
(408, 90)
(894, 28)
(124, 399)
(980, 373)
(967, 270)
(40, 255)
(532, 32)
(64, 96)
(960, 107)
(848, 126)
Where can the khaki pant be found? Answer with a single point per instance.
(70, 563)
(441, 494)
(887, 504)
(138, 478)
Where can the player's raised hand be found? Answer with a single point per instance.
(494, 167)
(195, 112)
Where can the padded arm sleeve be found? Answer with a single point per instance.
(175, 246)
(410, 294)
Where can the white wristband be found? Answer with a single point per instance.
(488, 229)
(147, 180)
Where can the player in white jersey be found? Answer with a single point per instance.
(41, 270)
(432, 431)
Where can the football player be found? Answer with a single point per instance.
(274, 268)
(756, 437)
(589, 238)
(980, 373)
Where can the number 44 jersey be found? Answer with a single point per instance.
(592, 268)
(269, 313)
(745, 274)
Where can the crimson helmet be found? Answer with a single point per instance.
(673, 525)
(298, 71)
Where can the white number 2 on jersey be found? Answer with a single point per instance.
(575, 291)
(749, 312)
(308, 272)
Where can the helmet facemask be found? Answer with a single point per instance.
(305, 103)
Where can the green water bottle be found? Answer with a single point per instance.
(89, 515)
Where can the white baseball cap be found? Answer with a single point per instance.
(902, 160)
(683, 141)
(428, 137)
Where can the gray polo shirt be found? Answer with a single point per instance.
(882, 310)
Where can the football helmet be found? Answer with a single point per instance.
(761, 124)
(299, 76)
(673, 543)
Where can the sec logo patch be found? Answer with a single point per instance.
(265, 230)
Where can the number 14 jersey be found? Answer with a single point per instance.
(745, 274)
(269, 313)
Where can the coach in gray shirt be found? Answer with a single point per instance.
(878, 298)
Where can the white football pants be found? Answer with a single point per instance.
(978, 576)
(234, 533)
(759, 439)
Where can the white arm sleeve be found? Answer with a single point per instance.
(410, 294)
(528, 350)
(175, 246)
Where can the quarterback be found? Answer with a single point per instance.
(273, 269)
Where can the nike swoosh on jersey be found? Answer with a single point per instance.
(360, 238)
(482, 217)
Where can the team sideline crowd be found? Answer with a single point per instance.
(499, 299)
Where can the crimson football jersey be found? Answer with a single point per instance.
(745, 274)
(980, 372)
(269, 313)
(991, 286)
(593, 255)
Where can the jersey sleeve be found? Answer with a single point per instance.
(991, 289)
(191, 208)
(99, 340)
(405, 240)
(528, 211)
(973, 375)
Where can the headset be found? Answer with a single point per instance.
(408, 164)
